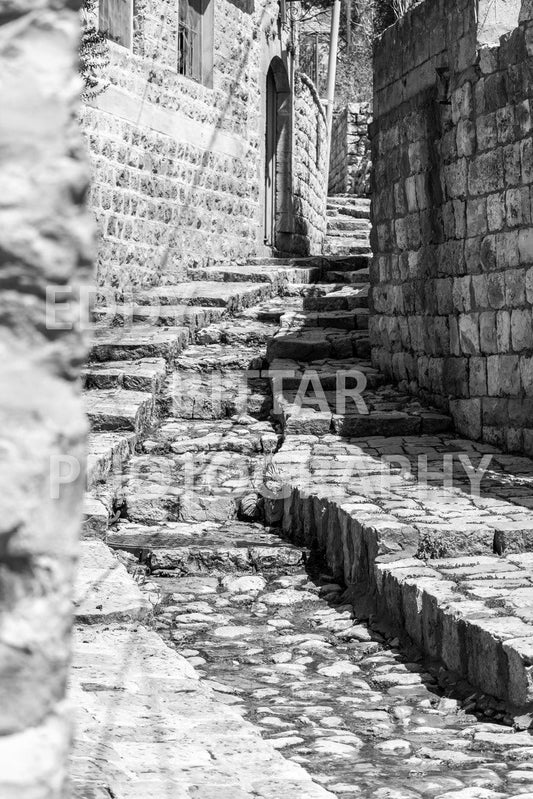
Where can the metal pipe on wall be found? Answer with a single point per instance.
(332, 75)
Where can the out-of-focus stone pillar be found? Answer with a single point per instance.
(45, 250)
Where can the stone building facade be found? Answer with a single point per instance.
(452, 277)
(349, 171)
(181, 142)
(46, 251)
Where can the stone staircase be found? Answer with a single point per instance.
(244, 401)
(182, 359)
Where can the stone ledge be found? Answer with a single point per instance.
(473, 613)
(104, 591)
(141, 711)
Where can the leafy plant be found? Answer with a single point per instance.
(94, 53)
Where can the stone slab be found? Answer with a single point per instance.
(232, 296)
(148, 728)
(137, 341)
(146, 374)
(104, 591)
(119, 410)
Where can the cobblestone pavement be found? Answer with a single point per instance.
(332, 694)
(146, 726)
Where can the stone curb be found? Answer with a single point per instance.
(372, 552)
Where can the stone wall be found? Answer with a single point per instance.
(452, 220)
(178, 166)
(349, 171)
(309, 194)
(46, 245)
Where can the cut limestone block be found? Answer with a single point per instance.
(95, 518)
(119, 410)
(192, 317)
(232, 296)
(312, 344)
(146, 374)
(138, 341)
(356, 319)
(104, 591)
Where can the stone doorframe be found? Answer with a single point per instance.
(278, 153)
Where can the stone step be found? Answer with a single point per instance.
(356, 319)
(136, 342)
(237, 331)
(231, 296)
(279, 261)
(423, 546)
(175, 549)
(362, 414)
(352, 278)
(340, 223)
(277, 275)
(343, 298)
(107, 453)
(358, 207)
(222, 357)
(119, 410)
(293, 290)
(312, 344)
(340, 245)
(95, 518)
(148, 728)
(348, 263)
(217, 381)
(191, 487)
(217, 394)
(104, 592)
(242, 434)
(330, 374)
(146, 374)
(190, 316)
(347, 235)
(270, 311)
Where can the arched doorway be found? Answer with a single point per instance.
(277, 152)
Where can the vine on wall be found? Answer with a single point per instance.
(94, 53)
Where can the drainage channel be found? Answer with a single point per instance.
(334, 695)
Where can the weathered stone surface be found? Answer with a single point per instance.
(188, 738)
(452, 213)
(104, 591)
(46, 248)
(118, 409)
(138, 341)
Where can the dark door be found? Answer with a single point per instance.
(270, 160)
